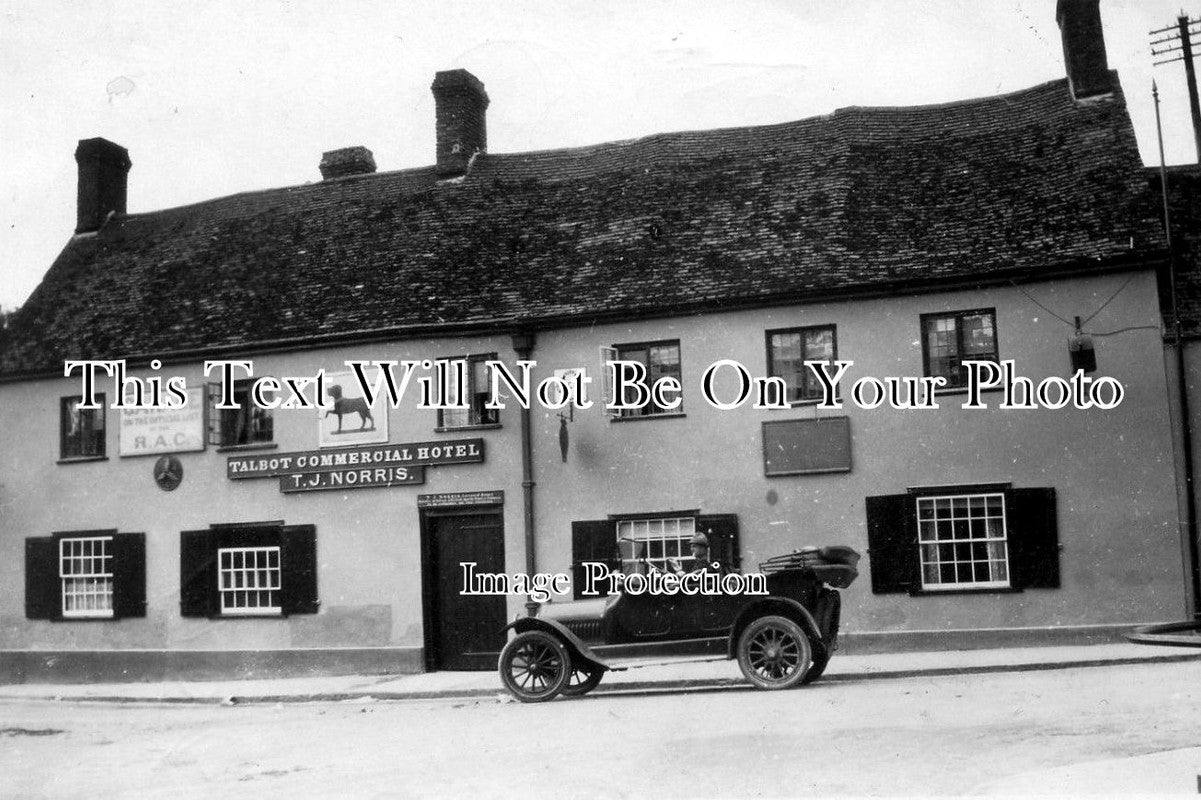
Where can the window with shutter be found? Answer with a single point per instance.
(85, 575)
(244, 570)
(1034, 538)
(963, 538)
(197, 573)
(129, 575)
(891, 544)
(592, 541)
(43, 589)
(300, 569)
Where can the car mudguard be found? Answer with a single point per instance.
(774, 604)
(581, 654)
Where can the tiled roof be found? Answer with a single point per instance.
(860, 200)
(1184, 193)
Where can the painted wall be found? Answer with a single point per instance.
(1113, 471)
(369, 572)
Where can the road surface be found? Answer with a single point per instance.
(914, 736)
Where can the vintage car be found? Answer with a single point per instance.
(781, 639)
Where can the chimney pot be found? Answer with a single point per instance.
(103, 171)
(460, 130)
(356, 160)
(1083, 47)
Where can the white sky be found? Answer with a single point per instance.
(225, 97)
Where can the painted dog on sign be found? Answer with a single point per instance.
(349, 405)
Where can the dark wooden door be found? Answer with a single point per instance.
(466, 630)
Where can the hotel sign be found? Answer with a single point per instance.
(150, 432)
(419, 454)
(364, 478)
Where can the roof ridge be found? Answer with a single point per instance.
(597, 148)
(963, 103)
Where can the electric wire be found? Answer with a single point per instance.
(1084, 321)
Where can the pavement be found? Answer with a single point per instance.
(677, 675)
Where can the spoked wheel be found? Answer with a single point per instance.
(582, 681)
(535, 667)
(774, 653)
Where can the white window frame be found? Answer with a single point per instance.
(251, 583)
(928, 541)
(85, 578)
(672, 534)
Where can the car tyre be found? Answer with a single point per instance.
(774, 653)
(535, 666)
(582, 681)
(815, 670)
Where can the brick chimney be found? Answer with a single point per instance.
(347, 161)
(459, 105)
(1083, 47)
(103, 167)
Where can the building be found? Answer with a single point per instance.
(212, 542)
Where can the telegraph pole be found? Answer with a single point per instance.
(1179, 40)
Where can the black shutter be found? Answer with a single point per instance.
(197, 573)
(129, 575)
(722, 532)
(298, 568)
(891, 542)
(1033, 539)
(592, 540)
(43, 587)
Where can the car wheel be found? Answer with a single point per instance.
(535, 666)
(583, 681)
(815, 670)
(774, 653)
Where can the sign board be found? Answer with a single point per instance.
(457, 499)
(151, 432)
(345, 418)
(446, 451)
(806, 446)
(364, 478)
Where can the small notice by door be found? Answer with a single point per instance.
(455, 499)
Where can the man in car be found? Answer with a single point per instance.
(700, 561)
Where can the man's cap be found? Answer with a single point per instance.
(699, 538)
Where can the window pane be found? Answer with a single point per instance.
(970, 549)
(660, 360)
(786, 362)
(245, 575)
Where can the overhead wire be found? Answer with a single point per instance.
(1084, 321)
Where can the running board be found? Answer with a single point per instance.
(711, 649)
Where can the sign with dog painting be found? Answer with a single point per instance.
(149, 432)
(346, 419)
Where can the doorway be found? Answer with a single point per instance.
(462, 632)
